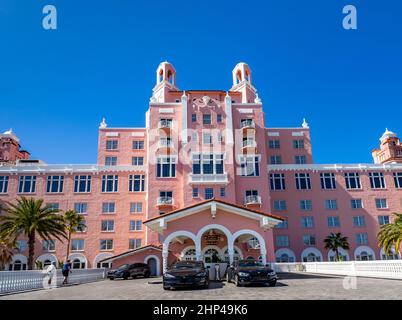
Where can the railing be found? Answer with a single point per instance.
(208, 178)
(165, 124)
(165, 144)
(247, 124)
(16, 281)
(252, 200)
(388, 269)
(164, 201)
(249, 144)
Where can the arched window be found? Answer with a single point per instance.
(364, 256)
(209, 254)
(311, 257)
(284, 258)
(236, 255)
(46, 263)
(253, 243)
(189, 255)
(78, 264)
(17, 266)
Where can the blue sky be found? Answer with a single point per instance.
(55, 86)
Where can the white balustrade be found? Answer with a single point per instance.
(15, 281)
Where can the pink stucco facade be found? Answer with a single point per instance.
(201, 144)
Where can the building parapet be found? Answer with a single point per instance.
(334, 167)
(69, 168)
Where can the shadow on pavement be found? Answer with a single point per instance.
(286, 276)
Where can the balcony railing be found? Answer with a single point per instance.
(249, 144)
(208, 178)
(165, 124)
(165, 144)
(247, 124)
(165, 201)
(253, 199)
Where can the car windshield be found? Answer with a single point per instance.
(124, 266)
(186, 265)
(250, 264)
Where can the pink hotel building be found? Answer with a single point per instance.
(205, 176)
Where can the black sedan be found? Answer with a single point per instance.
(245, 272)
(130, 270)
(186, 274)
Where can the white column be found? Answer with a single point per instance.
(184, 118)
(231, 256)
(165, 255)
(264, 258)
(229, 120)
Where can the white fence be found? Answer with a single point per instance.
(387, 269)
(15, 281)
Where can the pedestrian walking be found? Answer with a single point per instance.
(66, 271)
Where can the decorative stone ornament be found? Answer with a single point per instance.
(103, 124)
(206, 99)
(305, 124)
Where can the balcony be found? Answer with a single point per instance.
(208, 178)
(164, 202)
(253, 201)
(165, 145)
(249, 146)
(165, 125)
(247, 124)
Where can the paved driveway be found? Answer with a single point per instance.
(290, 286)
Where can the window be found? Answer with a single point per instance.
(112, 144)
(4, 184)
(220, 137)
(250, 166)
(106, 244)
(22, 245)
(279, 205)
(166, 123)
(333, 222)
(359, 221)
(222, 192)
(54, 184)
(206, 138)
(331, 204)
(300, 159)
(193, 117)
(303, 181)
(49, 245)
(361, 238)
(82, 184)
(309, 240)
(194, 136)
(77, 244)
(110, 183)
(218, 118)
(53, 205)
(134, 244)
(307, 222)
(209, 193)
(277, 181)
(108, 207)
(165, 167)
(397, 180)
(298, 144)
(206, 119)
(137, 161)
(381, 203)
(135, 225)
(107, 225)
(81, 207)
(136, 183)
(282, 225)
(111, 161)
(383, 220)
(282, 241)
(377, 180)
(275, 160)
(138, 144)
(352, 180)
(208, 164)
(195, 193)
(135, 207)
(27, 184)
(328, 181)
(274, 144)
(306, 205)
(356, 203)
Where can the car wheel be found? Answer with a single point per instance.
(206, 285)
(272, 283)
(111, 278)
(237, 282)
(125, 276)
(147, 275)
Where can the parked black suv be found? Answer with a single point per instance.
(250, 271)
(130, 270)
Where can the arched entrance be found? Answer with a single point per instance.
(251, 243)
(153, 266)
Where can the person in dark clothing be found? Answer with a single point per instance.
(66, 271)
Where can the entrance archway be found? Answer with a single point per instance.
(154, 264)
(251, 241)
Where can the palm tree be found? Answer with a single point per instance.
(7, 248)
(74, 222)
(335, 241)
(391, 234)
(29, 217)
